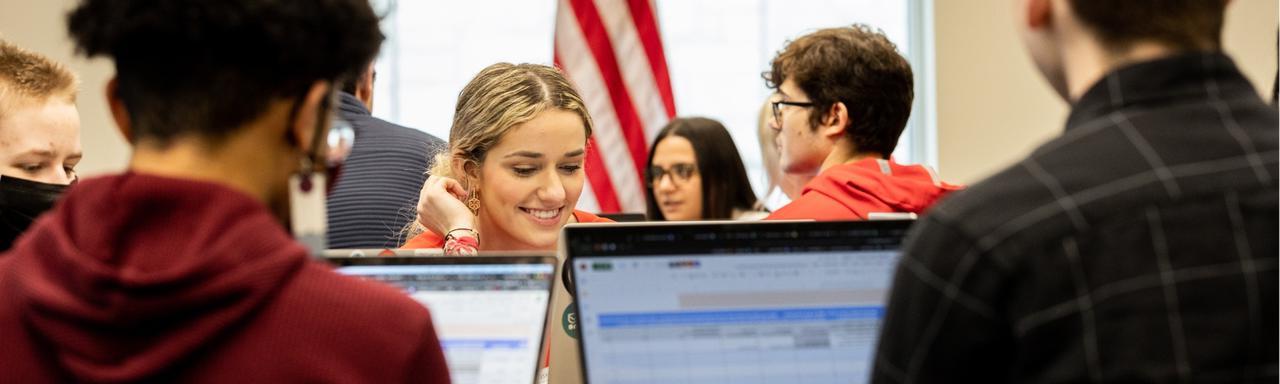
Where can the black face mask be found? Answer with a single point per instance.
(21, 201)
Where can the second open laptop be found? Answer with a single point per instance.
(731, 303)
(489, 311)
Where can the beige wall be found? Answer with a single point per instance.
(40, 25)
(993, 108)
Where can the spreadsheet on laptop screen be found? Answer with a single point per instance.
(489, 318)
(782, 317)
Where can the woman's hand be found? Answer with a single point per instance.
(441, 207)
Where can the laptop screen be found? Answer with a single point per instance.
(751, 303)
(489, 315)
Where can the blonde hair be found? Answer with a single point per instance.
(26, 76)
(499, 98)
(768, 150)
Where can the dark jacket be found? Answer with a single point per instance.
(1139, 246)
(138, 278)
(376, 193)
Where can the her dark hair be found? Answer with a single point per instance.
(206, 67)
(724, 179)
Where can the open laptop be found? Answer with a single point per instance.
(626, 217)
(731, 303)
(489, 311)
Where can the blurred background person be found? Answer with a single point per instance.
(782, 187)
(379, 179)
(695, 173)
(39, 137)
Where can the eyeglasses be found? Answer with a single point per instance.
(680, 172)
(777, 109)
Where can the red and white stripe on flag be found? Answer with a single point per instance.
(611, 50)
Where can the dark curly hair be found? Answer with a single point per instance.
(857, 66)
(204, 67)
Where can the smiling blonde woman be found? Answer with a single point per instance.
(513, 171)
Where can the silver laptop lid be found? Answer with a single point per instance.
(742, 303)
(489, 310)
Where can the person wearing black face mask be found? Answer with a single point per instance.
(21, 201)
(39, 137)
(182, 269)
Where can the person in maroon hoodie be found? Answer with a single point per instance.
(180, 270)
(842, 99)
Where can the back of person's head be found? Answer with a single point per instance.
(360, 85)
(499, 98)
(353, 82)
(725, 187)
(1186, 25)
(1116, 32)
(859, 67)
(30, 78)
(203, 68)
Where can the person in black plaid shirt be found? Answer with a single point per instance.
(1138, 246)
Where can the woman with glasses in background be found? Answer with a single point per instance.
(695, 173)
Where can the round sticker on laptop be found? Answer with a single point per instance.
(569, 320)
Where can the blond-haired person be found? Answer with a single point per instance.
(513, 171)
(39, 137)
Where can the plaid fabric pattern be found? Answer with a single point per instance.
(1139, 246)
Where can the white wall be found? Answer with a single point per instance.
(993, 107)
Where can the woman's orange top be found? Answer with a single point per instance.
(429, 240)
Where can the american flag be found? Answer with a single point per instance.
(612, 52)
